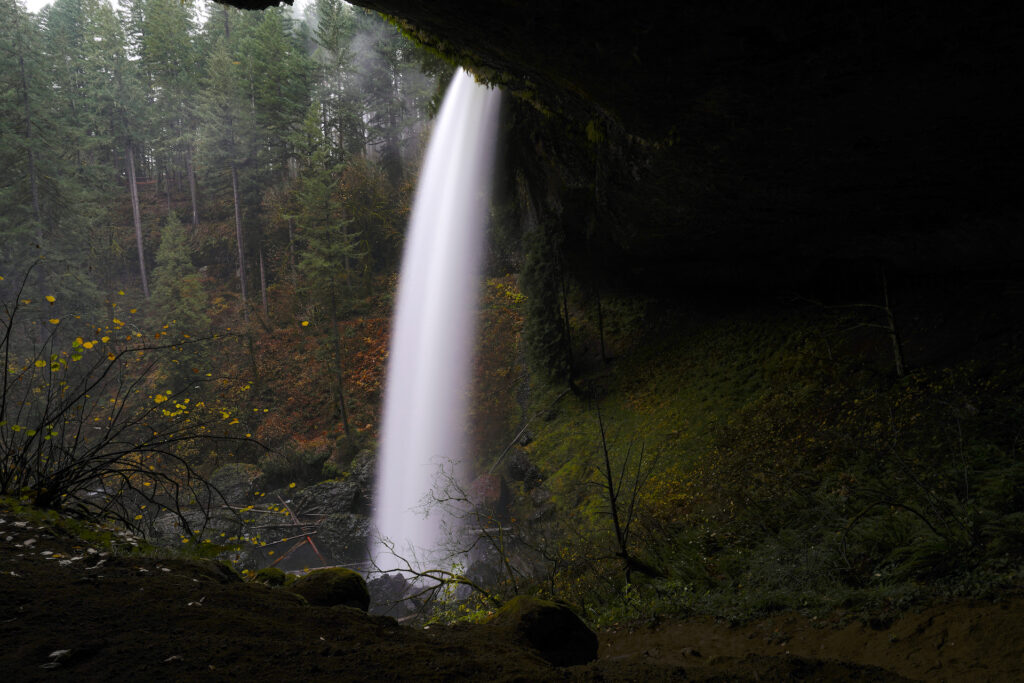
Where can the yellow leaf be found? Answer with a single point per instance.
(118, 322)
(54, 321)
(138, 516)
(51, 298)
(159, 398)
(233, 422)
(121, 292)
(111, 356)
(305, 323)
(291, 485)
(132, 310)
(87, 345)
(105, 339)
(40, 363)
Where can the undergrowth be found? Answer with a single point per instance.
(795, 469)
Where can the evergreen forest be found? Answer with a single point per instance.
(234, 181)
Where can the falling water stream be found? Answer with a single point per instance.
(433, 329)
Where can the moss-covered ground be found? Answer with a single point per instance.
(786, 463)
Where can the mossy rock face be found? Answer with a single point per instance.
(331, 587)
(551, 629)
(272, 576)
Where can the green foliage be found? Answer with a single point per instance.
(785, 460)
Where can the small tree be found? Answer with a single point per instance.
(621, 490)
(82, 428)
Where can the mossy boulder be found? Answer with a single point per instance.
(272, 576)
(332, 587)
(549, 628)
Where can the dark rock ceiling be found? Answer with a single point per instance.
(752, 141)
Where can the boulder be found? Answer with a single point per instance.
(520, 468)
(343, 537)
(327, 497)
(388, 596)
(351, 494)
(170, 526)
(235, 481)
(272, 576)
(332, 587)
(549, 628)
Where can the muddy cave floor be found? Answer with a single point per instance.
(68, 613)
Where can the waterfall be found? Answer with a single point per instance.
(433, 329)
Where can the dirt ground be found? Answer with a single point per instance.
(71, 612)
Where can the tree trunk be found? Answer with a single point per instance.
(291, 252)
(167, 184)
(566, 325)
(263, 285)
(348, 271)
(31, 153)
(894, 334)
(130, 159)
(241, 244)
(600, 327)
(192, 186)
(339, 377)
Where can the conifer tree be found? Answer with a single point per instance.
(226, 117)
(178, 294)
(327, 263)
